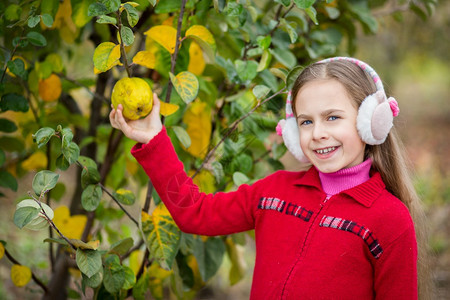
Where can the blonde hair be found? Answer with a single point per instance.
(388, 158)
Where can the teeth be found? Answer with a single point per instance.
(326, 150)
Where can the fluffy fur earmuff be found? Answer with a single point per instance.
(374, 120)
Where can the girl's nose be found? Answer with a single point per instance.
(319, 132)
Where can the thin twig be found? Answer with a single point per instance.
(49, 220)
(34, 277)
(122, 46)
(232, 128)
(118, 203)
(173, 58)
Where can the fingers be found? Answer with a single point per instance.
(156, 103)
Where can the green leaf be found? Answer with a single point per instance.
(71, 152)
(97, 9)
(14, 102)
(43, 69)
(89, 261)
(130, 278)
(25, 215)
(89, 175)
(246, 70)
(292, 76)
(50, 7)
(304, 4)
(125, 196)
(182, 136)
(94, 281)
(167, 6)
(7, 125)
(209, 256)
(264, 41)
(47, 20)
(127, 35)
(186, 84)
(114, 274)
(289, 29)
(111, 5)
(132, 14)
(12, 12)
(91, 196)
(312, 13)
(286, 57)
(260, 91)
(43, 135)
(217, 170)
(363, 13)
(239, 178)
(103, 19)
(121, 247)
(33, 21)
(264, 63)
(36, 39)
(44, 181)
(87, 162)
(55, 61)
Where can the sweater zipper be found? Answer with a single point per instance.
(322, 204)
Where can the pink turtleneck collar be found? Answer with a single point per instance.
(334, 183)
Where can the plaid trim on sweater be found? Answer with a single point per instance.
(353, 227)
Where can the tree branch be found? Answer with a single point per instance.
(232, 128)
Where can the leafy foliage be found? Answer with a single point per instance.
(222, 69)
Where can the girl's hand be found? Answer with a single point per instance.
(141, 130)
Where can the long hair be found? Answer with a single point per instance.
(388, 158)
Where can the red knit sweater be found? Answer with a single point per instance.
(359, 244)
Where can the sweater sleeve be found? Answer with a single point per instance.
(193, 211)
(396, 271)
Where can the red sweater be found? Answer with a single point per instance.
(358, 244)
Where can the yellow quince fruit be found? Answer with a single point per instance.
(135, 95)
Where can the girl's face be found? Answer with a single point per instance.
(327, 124)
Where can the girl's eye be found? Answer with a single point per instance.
(306, 122)
(333, 118)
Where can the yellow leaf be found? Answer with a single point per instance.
(204, 38)
(168, 108)
(145, 58)
(196, 60)
(186, 85)
(70, 226)
(135, 260)
(204, 180)
(2, 250)
(198, 121)
(106, 56)
(36, 161)
(68, 31)
(164, 35)
(20, 275)
(161, 236)
(50, 88)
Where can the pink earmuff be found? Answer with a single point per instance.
(374, 121)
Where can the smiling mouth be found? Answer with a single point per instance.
(325, 150)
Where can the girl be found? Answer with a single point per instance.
(342, 229)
